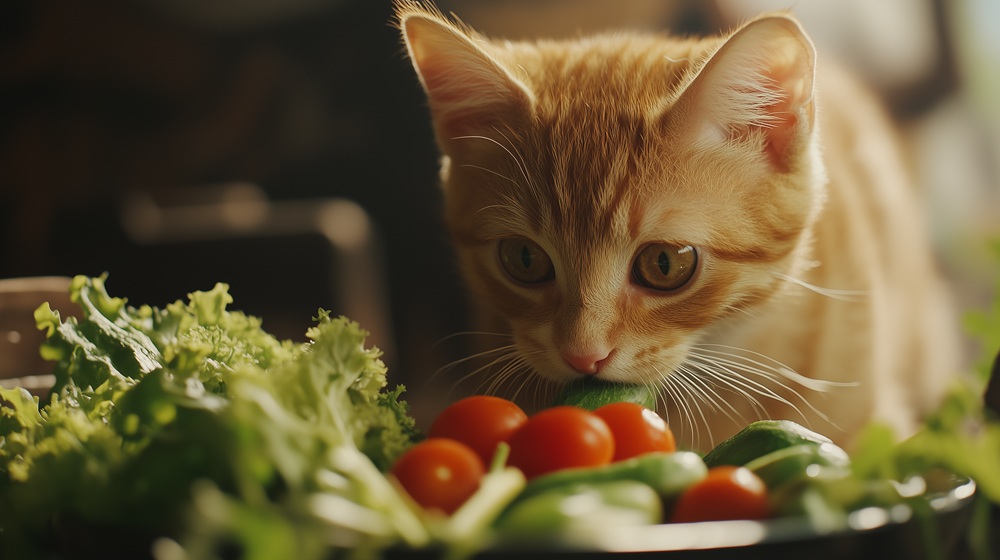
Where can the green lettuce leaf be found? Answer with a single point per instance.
(158, 413)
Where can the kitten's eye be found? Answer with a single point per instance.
(665, 267)
(525, 261)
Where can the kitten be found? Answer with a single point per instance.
(716, 218)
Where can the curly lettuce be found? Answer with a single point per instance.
(160, 417)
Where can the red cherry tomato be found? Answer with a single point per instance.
(480, 421)
(558, 438)
(637, 430)
(439, 473)
(726, 493)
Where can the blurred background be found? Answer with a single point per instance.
(283, 147)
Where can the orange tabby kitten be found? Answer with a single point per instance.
(714, 218)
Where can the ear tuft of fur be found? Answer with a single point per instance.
(465, 84)
(759, 83)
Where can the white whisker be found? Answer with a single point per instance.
(738, 309)
(694, 404)
(506, 372)
(525, 381)
(841, 295)
(676, 389)
(452, 365)
(516, 366)
(738, 380)
(491, 172)
(737, 383)
(751, 375)
(475, 333)
(521, 164)
(485, 367)
(819, 385)
(518, 161)
(709, 392)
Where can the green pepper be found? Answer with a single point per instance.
(580, 507)
(666, 473)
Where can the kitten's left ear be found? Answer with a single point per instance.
(759, 83)
(467, 88)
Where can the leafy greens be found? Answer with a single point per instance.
(192, 423)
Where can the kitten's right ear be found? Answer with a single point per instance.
(467, 88)
(759, 84)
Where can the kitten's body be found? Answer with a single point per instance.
(588, 152)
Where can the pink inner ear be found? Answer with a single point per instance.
(779, 138)
(758, 84)
(781, 127)
(796, 99)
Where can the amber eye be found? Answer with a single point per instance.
(525, 261)
(665, 267)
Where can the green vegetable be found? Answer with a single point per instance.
(581, 507)
(667, 473)
(816, 503)
(192, 422)
(789, 464)
(591, 394)
(763, 437)
(468, 529)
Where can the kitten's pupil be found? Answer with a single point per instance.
(526, 257)
(664, 263)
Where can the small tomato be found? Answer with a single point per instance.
(439, 473)
(637, 430)
(480, 421)
(558, 438)
(727, 492)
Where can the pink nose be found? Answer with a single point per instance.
(588, 363)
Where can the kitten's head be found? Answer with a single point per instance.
(617, 197)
